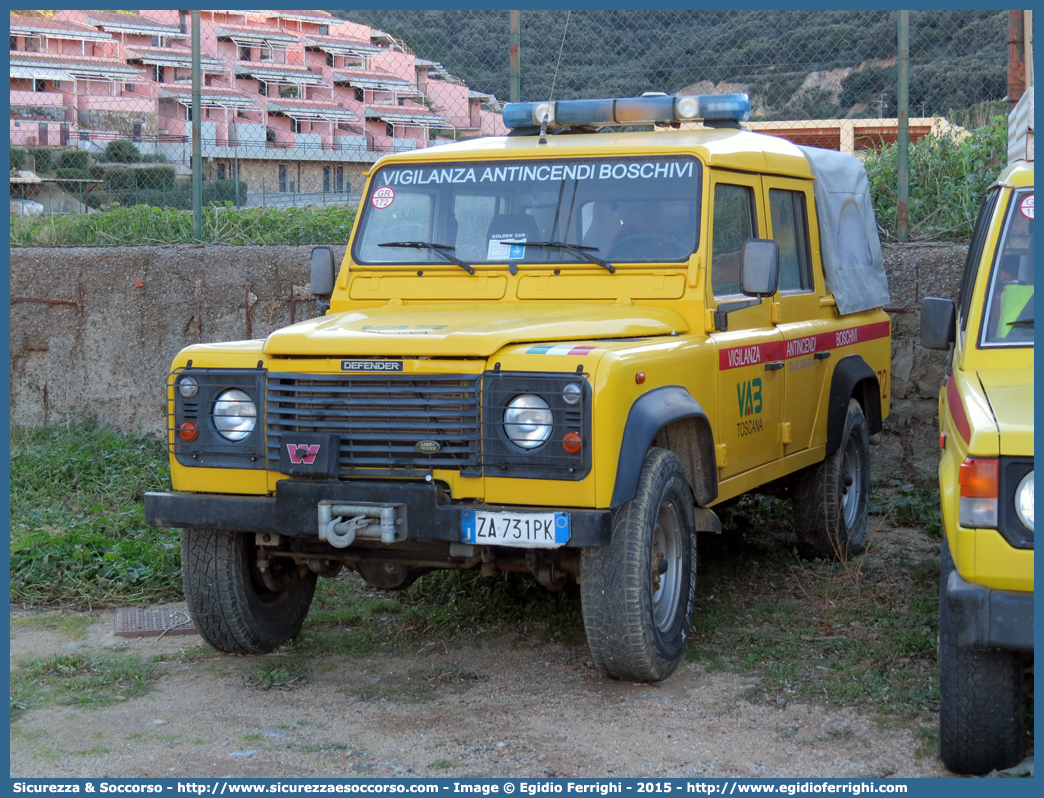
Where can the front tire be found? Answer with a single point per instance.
(237, 608)
(980, 698)
(637, 592)
(830, 499)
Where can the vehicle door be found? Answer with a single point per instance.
(797, 312)
(750, 363)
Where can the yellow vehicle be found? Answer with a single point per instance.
(986, 483)
(553, 352)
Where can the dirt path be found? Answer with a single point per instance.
(495, 706)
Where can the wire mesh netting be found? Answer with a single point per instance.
(296, 105)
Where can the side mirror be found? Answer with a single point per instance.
(322, 271)
(760, 267)
(938, 323)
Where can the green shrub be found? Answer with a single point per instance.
(122, 151)
(156, 157)
(43, 156)
(222, 191)
(74, 159)
(72, 174)
(948, 181)
(119, 178)
(152, 225)
(17, 158)
(159, 177)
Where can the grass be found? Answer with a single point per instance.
(859, 634)
(143, 225)
(77, 680)
(78, 532)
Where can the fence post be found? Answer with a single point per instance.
(902, 204)
(197, 155)
(513, 90)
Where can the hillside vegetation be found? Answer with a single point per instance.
(795, 64)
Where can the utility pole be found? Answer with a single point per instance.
(197, 153)
(902, 204)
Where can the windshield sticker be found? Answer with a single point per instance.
(504, 247)
(383, 197)
(1026, 206)
(658, 170)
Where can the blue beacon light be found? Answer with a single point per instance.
(629, 111)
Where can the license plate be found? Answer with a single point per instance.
(525, 530)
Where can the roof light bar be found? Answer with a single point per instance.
(629, 111)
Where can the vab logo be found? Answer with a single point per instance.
(300, 454)
(748, 394)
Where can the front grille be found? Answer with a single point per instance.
(379, 419)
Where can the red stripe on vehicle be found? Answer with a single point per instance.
(740, 356)
(581, 350)
(736, 357)
(957, 412)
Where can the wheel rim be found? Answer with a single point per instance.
(852, 481)
(666, 566)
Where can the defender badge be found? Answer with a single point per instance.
(428, 447)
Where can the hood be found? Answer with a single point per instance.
(478, 329)
(1010, 394)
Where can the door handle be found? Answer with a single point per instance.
(775, 365)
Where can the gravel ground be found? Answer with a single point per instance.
(500, 704)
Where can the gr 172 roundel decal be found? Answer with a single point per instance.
(383, 197)
(1026, 206)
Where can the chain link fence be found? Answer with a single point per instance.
(297, 105)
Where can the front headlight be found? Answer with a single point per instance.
(1024, 501)
(528, 421)
(235, 414)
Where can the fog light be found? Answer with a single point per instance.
(189, 431)
(188, 387)
(571, 442)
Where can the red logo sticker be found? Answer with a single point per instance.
(1026, 206)
(300, 454)
(383, 197)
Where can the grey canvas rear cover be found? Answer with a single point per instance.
(851, 249)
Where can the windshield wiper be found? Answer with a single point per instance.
(576, 249)
(1025, 318)
(438, 249)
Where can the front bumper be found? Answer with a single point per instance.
(293, 511)
(983, 617)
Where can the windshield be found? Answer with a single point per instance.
(1008, 317)
(584, 211)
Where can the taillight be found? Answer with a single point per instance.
(979, 479)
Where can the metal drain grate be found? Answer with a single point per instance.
(153, 623)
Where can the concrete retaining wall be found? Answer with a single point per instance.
(93, 331)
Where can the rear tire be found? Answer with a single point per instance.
(228, 598)
(637, 592)
(980, 698)
(830, 498)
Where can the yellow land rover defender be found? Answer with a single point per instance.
(986, 480)
(553, 352)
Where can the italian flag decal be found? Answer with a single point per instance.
(559, 349)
